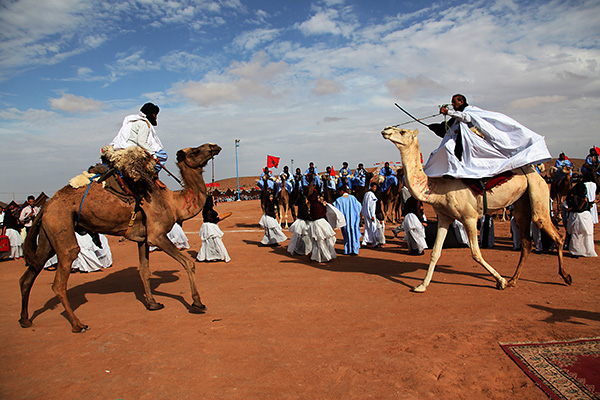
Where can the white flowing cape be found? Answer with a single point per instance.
(506, 145)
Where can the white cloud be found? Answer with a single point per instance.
(75, 104)
(251, 39)
(327, 86)
(329, 21)
(536, 101)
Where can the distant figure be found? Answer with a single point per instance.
(351, 208)
(579, 223)
(273, 233)
(12, 228)
(28, 213)
(177, 236)
(212, 248)
(321, 233)
(562, 161)
(300, 242)
(412, 225)
(371, 236)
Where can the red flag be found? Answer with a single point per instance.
(332, 171)
(272, 161)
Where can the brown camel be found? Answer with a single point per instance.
(264, 193)
(359, 192)
(559, 188)
(101, 211)
(283, 201)
(389, 199)
(453, 199)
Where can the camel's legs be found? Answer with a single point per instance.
(471, 228)
(522, 213)
(540, 210)
(442, 230)
(66, 255)
(43, 253)
(165, 245)
(144, 270)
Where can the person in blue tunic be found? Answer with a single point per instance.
(390, 177)
(270, 182)
(312, 170)
(561, 162)
(344, 176)
(351, 208)
(329, 179)
(360, 174)
(591, 163)
(285, 177)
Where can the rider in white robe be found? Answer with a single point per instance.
(478, 143)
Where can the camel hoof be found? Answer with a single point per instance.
(80, 329)
(419, 289)
(197, 309)
(25, 323)
(155, 306)
(511, 283)
(501, 284)
(568, 280)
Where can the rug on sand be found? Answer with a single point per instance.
(564, 370)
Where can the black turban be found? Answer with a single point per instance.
(150, 110)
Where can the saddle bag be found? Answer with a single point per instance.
(4, 243)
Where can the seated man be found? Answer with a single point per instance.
(360, 174)
(315, 173)
(561, 162)
(267, 177)
(329, 179)
(390, 177)
(285, 178)
(591, 163)
(138, 130)
(344, 176)
(479, 144)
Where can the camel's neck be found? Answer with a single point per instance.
(193, 196)
(419, 184)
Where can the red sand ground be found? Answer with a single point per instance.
(283, 327)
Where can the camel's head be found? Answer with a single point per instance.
(197, 157)
(400, 137)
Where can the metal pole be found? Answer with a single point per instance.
(237, 174)
(292, 167)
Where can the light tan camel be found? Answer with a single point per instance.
(283, 202)
(103, 212)
(453, 199)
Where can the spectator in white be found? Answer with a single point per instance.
(138, 130)
(579, 223)
(590, 185)
(28, 213)
(371, 236)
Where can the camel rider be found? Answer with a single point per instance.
(298, 178)
(562, 161)
(329, 179)
(138, 130)
(479, 144)
(270, 182)
(360, 175)
(390, 178)
(285, 177)
(312, 170)
(344, 176)
(591, 162)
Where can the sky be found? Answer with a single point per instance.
(300, 80)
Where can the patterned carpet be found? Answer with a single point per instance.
(564, 370)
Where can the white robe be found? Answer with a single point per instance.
(273, 233)
(300, 242)
(460, 232)
(371, 235)
(91, 258)
(414, 232)
(177, 236)
(16, 243)
(581, 229)
(212, 244)
(323, 239)
(505, 145)
(591, 196)
(137, 131)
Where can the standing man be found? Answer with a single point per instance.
(138, 130)
(28, 213)
(479, 144)
(371, 236)
(351, 209)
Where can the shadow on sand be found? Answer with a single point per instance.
(121, 281)
(566, 315)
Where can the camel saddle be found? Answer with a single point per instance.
(482, 186)
(126, 189)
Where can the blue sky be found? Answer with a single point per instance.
(302, 80)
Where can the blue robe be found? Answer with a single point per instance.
(359, 178)
(351, 208)
(270, 182)
(344, 173)
(390, 179)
